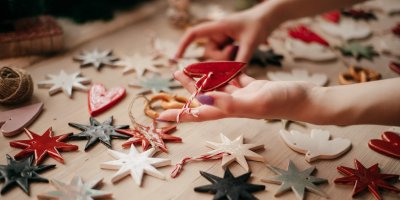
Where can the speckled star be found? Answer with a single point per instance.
(139, 64)
(64, 82)
(97, 58)
(370, 178)
(230, 187)
(358, 51)
(297, 181)
(155, 84)
(135, 164)
(21, 173)
(97, 131)
(76, 190)
(42, 145)
(235, 151)
(265, 58)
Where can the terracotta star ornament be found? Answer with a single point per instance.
(139, 64)
(150, 136)
(135, 164)
(96, 58)
(97, 131)
(367, 178)
(64, 82)
(296, 180)
(21, 173)
(42, 145)
(230, 187)
(155, 84)
(75, 190)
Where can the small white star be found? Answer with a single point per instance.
(96, 58)
(139, 64)
(236, 151)
(64, 82)
(135, 164)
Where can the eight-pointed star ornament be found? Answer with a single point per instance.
(135, 164)
(41, 145)
(97, 58)
(363, 178)
(358, 51)
(230, 187)
(150, 136)
(265, 58)
(76, 190)
(155, 84)
(97, 131)
(309, 51)
(21, 173)
(235, 150)
(296, 180)
(346, 29)
(64, 82)
(138, 63)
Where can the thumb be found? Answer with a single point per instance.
(246, 49)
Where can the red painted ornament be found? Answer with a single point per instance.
(333, 16)
(396, 29)
(100, 99)
(303, 33)
(395, 66)
(364, 178)
(213, 74)
(149, 136)
(389, 145)
(41, 145)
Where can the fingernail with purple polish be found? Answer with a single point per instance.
(162, 120)
(205, 99)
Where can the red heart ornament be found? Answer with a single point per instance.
(394, 66)
(305, 34)
(389, 145)
(221, 73)
(333, 16)
(100, 99)
(13, 121)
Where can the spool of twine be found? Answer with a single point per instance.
(16, 85)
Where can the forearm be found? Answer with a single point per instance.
(375, 102)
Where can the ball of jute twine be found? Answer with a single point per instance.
(16, 85)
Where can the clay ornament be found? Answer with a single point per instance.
(64, 82)
(167, 101)
(305, 34)
(309, 51)
(387, 6)
(265, 58)
(135, 164)
(346, 29)
(332, 16)
(138, 63)
(100, 99)
(42, 145)
(13, 121)
(298, 75)
(389, 144)
(155, 84)
(390, 44)
(358, 51)
(316, 146)
(367, 178)
(359, 14)
(16, 85)
(96, 58)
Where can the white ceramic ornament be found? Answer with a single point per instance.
(316, 146)
(309, 51)
(389, 43)
(386, 6)
(298, 75)
(64, 82)
(346, 29)
(138, 63)
(135, 164)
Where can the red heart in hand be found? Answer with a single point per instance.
(333, 16)
(305, 34)
(13, 121)
(222, 73)
(389, 145)
(101, 100)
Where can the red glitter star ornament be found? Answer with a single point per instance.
(41, 145)
(388, 145)
(364, 178)
(333, 16)
(150, 136)
(305, 34)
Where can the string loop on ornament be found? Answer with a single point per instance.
(179, 166)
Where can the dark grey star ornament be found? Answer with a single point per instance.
(265, 58)
(21, 173)
(296, 180)
(155, 84)
(97, 131)
(230, 187)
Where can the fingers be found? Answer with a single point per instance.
(246, 49)
(187, 82)
(205, 113)
(214, 52)
(244, 80)
(200, 30)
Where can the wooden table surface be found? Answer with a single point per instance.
(59, 110)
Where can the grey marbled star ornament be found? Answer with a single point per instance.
(21, 173)
(155, 84)
(64, 82)
(96, 57)
(297, 181)
(139, 63)
(97, 131)
(76, 190)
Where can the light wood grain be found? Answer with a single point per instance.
(59, 110)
